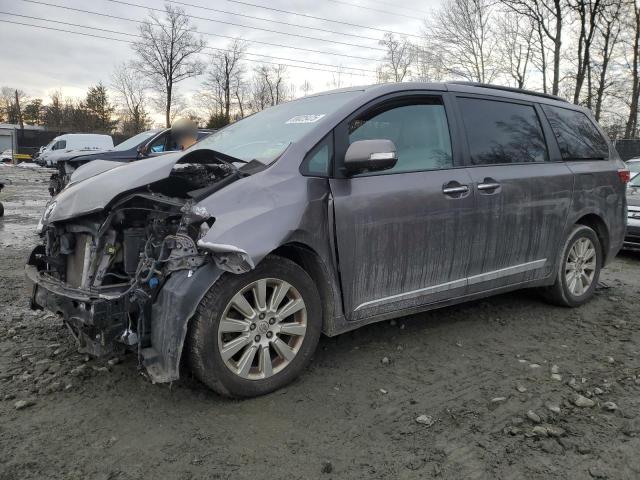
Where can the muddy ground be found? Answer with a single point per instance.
(493, 382)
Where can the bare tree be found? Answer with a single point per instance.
(167, 52)
(429, 65)
(548, 18)
(515, 46)
(397, 60)
(10, 105)
(462, 30)
(224, 73)
(632, 120)
(609, 33)
(131, 92)
(271, 84)
(241, 94)
(305, 88)
(588, 12)
(336, 78)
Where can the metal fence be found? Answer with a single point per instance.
(628, 148)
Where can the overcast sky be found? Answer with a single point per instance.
(41, 61)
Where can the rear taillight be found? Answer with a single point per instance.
(625, 175)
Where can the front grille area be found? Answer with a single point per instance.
(77, 262)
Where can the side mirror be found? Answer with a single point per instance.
(370, 155)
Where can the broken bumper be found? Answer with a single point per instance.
(96, 320)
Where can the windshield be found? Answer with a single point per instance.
(635, 180)
(135, 140)
(266, 134)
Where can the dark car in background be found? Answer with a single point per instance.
(325, 214)
(143, 145)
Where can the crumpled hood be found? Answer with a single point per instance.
(95, 192)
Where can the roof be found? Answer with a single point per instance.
(456, 86)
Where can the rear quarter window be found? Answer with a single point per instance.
(577, 136)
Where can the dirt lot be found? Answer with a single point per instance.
(497, 381)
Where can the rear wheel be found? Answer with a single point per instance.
(254, 333)
(579, 268)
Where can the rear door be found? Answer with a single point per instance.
(523, 191)
(402, 235)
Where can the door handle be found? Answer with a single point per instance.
(454, 190)
(488, 186)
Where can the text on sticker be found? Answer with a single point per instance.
(305, 118)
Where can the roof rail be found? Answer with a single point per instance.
(507, 89)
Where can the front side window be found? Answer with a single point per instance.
(502, 132)
(318, 161)
(419, 131)
(578, 138)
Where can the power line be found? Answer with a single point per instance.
(389, 4)
(304, 15)
(262, 19)
(130, 42)
(106, 15)
(207, 47)
(317, 39)
(379, 10)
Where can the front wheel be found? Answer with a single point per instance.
(254, 333)
(578, 269)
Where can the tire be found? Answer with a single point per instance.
(207, 341)
(564, 291)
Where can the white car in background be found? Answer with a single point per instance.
(69, 142)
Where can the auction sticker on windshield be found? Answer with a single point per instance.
(305, 118)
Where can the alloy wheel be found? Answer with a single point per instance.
(262, 329)
(580, 266)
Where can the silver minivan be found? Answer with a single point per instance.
(325, 214)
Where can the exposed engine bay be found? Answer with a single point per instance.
(102, 271)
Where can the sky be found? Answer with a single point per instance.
(41, 61)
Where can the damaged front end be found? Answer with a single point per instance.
(130, 275)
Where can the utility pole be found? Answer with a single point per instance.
(18, 111)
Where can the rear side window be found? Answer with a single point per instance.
(578, 138)
(502, 132)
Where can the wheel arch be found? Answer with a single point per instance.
(598, 225)
(311, 262)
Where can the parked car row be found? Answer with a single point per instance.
(144, 145)
(325, 214)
